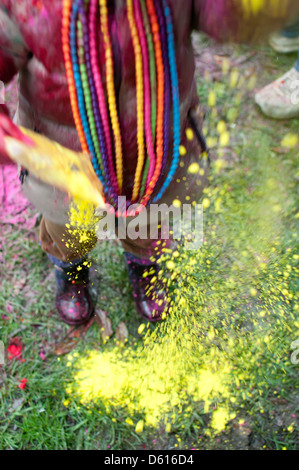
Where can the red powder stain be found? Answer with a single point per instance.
(14, 350)
(22, 384)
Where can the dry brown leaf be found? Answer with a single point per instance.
(20, 283)
(280, 149)
(65, 346)
(122, 332)
(71, 339)
(278, 401)
(80, 331)
(105, 323)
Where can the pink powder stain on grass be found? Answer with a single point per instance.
(13, 202)
(42, 355)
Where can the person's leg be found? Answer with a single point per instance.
(66, 249)
(287, 40)
(292, 30)
(68, 255)
(65, 244)
(149, 290)
(279, 99)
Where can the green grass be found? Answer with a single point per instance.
(240, 297)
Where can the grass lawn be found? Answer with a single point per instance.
(219, 373)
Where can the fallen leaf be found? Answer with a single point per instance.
(20, 283)
(71, 339)
(65, 346)
(244, 58)
(243, 428)
(122, 332)
(80, 331)
(16, 404)
(279, 401)
(280, 149)
(105, 323)
(279, 421)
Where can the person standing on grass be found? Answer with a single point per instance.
(116, 79)
(280, 99)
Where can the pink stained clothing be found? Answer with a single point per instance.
(31, 44)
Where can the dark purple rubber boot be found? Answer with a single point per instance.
(149, 292)
(73, 301)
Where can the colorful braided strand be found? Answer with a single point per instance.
(84, 24)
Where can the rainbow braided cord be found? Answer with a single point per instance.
(111, 92)
(167, 95)
(150, 163)
(100, 91)
(84, 24)
(140, 98)
(176, 102)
